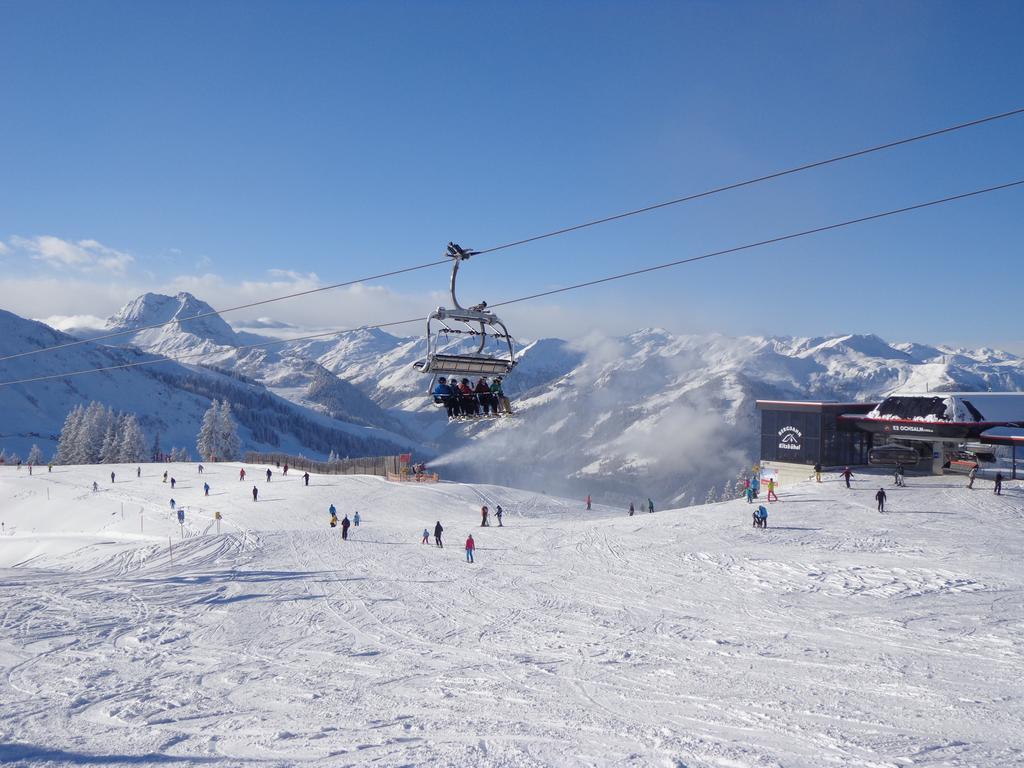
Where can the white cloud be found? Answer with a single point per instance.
(84, 255)
(4, 248)
(73, 322)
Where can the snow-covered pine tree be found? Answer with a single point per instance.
(132, 448)
(3, 456)
(229, 444)
(180, 454)
(35, 456)
(711, 496)
(208, 439)
(13, 458)
(67, 443)
(109, 452)
(69, 435)
(156, 453)
(89, 444)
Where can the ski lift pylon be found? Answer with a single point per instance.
(475, 321)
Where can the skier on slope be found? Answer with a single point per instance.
(749, 493)
(650, 506)
(165, 475)
(355, 519)
(172, 504)
(470, 546)
(241, 475)
(173, 481)
(846, 474)
(269, 473)
(138, 471)
(498, 513)
(206, 489)
(285, 472)
(898, 475)
(817, 472)
(772, 496)
(426, 536)
(255, 493)
(200, 469)
(483, 517)
(631, 509)
(345, 523)
(305, 478)
(111, 477)
(880, 498)
(438, 530)
(998, 489)
(588, 502)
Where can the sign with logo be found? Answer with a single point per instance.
(790, 439)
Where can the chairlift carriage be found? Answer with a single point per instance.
(495, 351)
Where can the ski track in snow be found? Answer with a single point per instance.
(838, 637)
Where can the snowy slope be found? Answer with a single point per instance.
(836, 637)
(169, 398)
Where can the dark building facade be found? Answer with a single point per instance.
(812, 433)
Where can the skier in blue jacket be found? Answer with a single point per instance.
(444, 395)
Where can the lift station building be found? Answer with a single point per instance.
(930, 431)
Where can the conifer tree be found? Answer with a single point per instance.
(35, 456)
(229, 444)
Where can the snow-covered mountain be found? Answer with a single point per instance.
(211, 341)
(169, 398)
(648, 414)
(651, 413)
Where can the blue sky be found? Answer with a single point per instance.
(238, 149)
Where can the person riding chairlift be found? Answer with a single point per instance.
(498, 397)
(444, 395)
(483, 396)
(470, 407)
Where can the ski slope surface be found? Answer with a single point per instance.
(837, 637)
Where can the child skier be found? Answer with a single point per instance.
(426, 536)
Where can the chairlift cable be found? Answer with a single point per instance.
(543, 236)
(757, 180)
(564, 289)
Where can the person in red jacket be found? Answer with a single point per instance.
(483, 396)
(588, 502)
(470, 407)
(470, 546)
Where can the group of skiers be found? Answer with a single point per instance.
(632, 509)
(752, 487)
(345, 522)
(470, 542)
(463, 399)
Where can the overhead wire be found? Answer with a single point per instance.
(542, 236)
(756, 180)
(563, 289)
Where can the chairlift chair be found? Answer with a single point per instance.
(495, 352)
